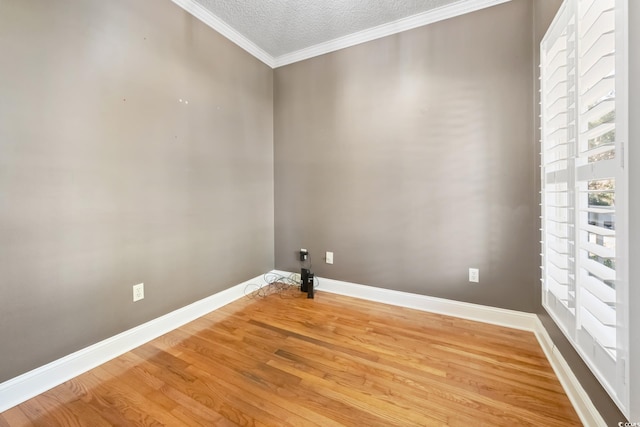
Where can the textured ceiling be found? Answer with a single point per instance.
(280, 27)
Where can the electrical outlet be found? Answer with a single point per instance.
(138, 292)
(474, 275)
(329, 258)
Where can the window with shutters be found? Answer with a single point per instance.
(584, 181)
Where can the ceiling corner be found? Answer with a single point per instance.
(226, 30)
(428, 17)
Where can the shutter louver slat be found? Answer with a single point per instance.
(599, 270)
(601, 231)
(600, 250)
(560, 291)
(598, 288)
(601, 90)
(599, 309)
(604, 335)
(599, 109)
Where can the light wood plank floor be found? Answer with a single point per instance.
(286, 360)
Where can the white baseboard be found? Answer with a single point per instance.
(28, 385)
(481, 313)
(587, 412)
(583, 405)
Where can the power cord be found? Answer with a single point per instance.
(285, 286)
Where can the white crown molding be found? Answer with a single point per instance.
(28, 385)
(206, 16)
(445, 12)
(429, 17)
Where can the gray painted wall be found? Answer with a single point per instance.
(107, 180)
(387, 153)
(410, 157)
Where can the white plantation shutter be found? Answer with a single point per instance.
(558, 85)
(596, 170)
(583, 195)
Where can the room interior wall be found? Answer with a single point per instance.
(136, 146)
(389, 154)
(385, 153)
(410, 157)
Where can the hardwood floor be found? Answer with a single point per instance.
(286, 360)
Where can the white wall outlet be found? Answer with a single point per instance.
(329, 257)
(474, 275)
(138, 292)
